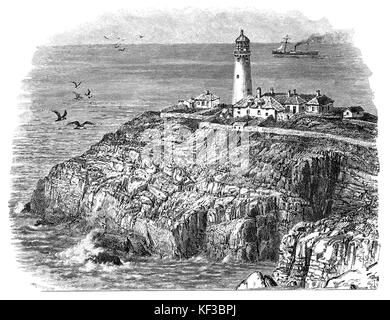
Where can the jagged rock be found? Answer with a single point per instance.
(331, 252)
(367, 278)
(184, 206)
(26, 208)
(106, 258)
(257, 280)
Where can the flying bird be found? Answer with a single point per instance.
(122, 49)
(88, 94)
(76, 85)
(117, 45)
(77, 95)
(106, 37)
(59, 116)
(141, 36)
(80, 126)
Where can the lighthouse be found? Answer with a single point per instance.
(242, 82)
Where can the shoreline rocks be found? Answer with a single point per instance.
(257, 280)
(181, 208)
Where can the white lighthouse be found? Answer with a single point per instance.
(242, 82)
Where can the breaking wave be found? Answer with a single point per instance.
(82, 251)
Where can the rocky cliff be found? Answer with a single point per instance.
(237, 204)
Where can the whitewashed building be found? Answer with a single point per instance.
(239, 126)
(206, 100)
(256, 107)
(319, 104)
(353, 112)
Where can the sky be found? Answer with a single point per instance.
(192, 25)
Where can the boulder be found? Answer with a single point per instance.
(106, 258)
(257, 280)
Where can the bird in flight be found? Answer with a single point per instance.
(77, 95)
(76, 85)
(105, 37)
(80, 126)
(88, 94)
(122, 49)
(59, 116)
(141, 36)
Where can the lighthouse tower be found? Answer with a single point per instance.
(242, 82)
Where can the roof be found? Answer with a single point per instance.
(245, 102)
(320, 100)
(265, 102)
(271, 103)
(355, 109)
(242, 37)
(310, 98)
(307, 96)
(239, 124)
(295, 99)
(279, 96)
(207, 96)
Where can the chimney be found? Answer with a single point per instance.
(207, 91)
(295, 92)
(318, 93)
(289, 93)
(272, 91)
(242, 32)
(258, 92)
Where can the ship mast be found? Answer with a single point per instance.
(286, 38)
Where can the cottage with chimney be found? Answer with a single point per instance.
(354, 112)
(294, 103)
(281, 105)
(257, 106)
(319, 104)
(206, 100)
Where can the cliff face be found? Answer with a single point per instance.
(204, 203)
(321, 254)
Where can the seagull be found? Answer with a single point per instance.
(117, 45)
(80, 126)
(76, 85)
(122, 49)
(106, 37)
(59, 116)
(88, 94)
(77, 95)
(141, 36)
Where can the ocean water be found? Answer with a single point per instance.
(124, 84)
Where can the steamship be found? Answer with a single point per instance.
(282, 50)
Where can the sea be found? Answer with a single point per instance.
(123, 84)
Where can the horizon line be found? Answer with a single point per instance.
(165, 43)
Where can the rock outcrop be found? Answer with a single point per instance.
(257, 280)
(334, 252)
(182, 203)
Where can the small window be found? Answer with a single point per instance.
(237, 76)
(266, 114)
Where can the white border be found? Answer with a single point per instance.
(28, 24)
